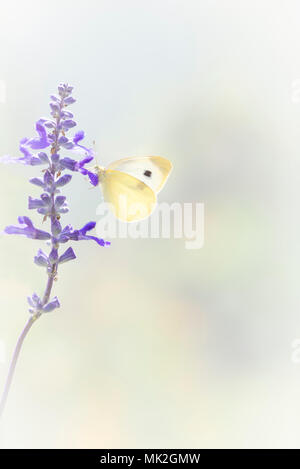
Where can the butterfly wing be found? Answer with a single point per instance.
(151, 170)
(130, 198)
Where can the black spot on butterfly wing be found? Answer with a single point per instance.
(148, 173)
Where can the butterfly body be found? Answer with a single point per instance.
(130, 185)
(100, 170)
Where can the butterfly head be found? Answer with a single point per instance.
(99, 170)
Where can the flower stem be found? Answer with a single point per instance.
(32, 319)
(13, 362)
(48, 288)
(47, 293)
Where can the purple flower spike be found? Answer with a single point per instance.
(51, 204)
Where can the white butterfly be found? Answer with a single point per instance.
(130, 185)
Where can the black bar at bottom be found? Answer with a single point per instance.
(147, 457)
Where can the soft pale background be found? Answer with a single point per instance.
(155, 345)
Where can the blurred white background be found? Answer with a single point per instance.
(156, 345)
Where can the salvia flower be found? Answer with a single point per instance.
(27, 228)
(47, 149)
(68, 234)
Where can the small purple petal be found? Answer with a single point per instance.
(68, 255)
(34, 203)
(6, 159)
(63, 180)
(43, 211)
(55, 98)
(37, 182)
(68, 146)
(63, 140)
(87, 227)
(40, 234)
(68, 163)
(25, 221)
(42, 141)
(53, 256)
(53, 304)
(59, 201)
(79, 235)
(68, 124)
(67, 114)
(64, 90)
(69, 101)
(63, 209)
(27, 159)
(30, 302)
(54, 107)
(94, 179)
(50, 125)
(63, 238)
(14, 230)
(100, 241)
(41, 259)
(29, 230)
(83, 162)
(35, 302)
(48, 178)
(46, 199)
(43, 157)
(23, 149)
(78, 136)
(55, 227)
(55, 157)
